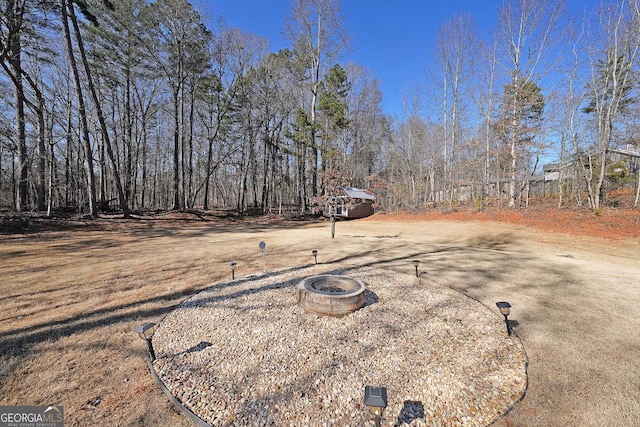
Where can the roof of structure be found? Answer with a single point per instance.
(358, 193)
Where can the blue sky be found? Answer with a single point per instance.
(393, 39)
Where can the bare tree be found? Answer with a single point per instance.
(11, 51)
(369, 127)
(18, 20)
(180, 47)
(315, 29)
(230, 54)
(528, 30)
(414, 158)
(485, 99)
(569, 125)
(98, 106)
(613, 57)
(456, 51)
(82, 111)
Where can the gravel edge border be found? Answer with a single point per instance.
(201, 423)
(179, 406)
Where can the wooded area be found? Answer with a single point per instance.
(136, 105)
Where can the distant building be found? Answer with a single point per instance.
(551, 172)
(352, 203)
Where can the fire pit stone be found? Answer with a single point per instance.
(330, 295)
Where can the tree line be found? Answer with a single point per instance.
(137, 105)
(545, 105)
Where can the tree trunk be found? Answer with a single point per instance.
(14, 56)
(208, 171)
(513, 142)
(176, 150)
(42, 154)
(512, 174)
(599, 185)
(635, 202)
(96, 101)
(265, 167)
(129, 137)
(52, 162)
(86, 142)
(144, 162)
(190, 195)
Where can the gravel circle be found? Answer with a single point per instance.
(242, 353)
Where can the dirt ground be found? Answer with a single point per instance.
(73, 291)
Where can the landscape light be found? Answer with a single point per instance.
(505, 309)
(416, 263)
(315, 255)
(145, 331)
(262, 246)
(232, 266)
(375, 398)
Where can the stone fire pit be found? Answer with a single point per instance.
(331, 295)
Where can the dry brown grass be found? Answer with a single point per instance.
(71, 298)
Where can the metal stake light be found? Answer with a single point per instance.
(505, 309)
(315, 255)
(375, 398)
(145, 331)
(416, 263)
(232, 266)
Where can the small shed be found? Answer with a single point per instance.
(352, 203)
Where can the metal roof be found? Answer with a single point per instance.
(358, 193)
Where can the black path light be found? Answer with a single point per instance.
(375, 398)
(505, 309)
(145, 331)
(232, 266)
(315, 255)
(416, 263)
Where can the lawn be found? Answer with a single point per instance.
(73, 291)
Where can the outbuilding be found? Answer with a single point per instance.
(352, 203)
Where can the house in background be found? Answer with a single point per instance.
(551, 172)
(351, 203)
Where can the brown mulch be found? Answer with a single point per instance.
(611, 224)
